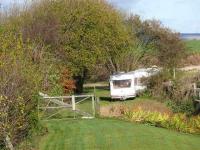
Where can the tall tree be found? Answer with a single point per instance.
(157, 43)
(80, 33)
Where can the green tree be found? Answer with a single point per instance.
(157, 43)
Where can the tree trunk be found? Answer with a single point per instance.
(79, 81)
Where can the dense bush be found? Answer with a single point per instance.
(181, 107)
(20, 80)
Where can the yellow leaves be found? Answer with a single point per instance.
(178, 122)
(3, 97)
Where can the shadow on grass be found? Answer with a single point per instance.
(100, 88)
(114, 100)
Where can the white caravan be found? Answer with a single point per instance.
(128, 85)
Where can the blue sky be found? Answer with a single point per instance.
(180, 15)
(6, 3)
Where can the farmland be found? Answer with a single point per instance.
(193, 46)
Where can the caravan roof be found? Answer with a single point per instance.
(143, 72)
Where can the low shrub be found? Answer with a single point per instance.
(151, 105)
(179, 122)
(183, 107)
(116, 110)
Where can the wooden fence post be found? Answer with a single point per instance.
(195, 89)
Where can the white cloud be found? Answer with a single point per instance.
(180, 15)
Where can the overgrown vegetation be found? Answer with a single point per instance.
(20, 81)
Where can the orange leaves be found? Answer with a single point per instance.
(67, 82)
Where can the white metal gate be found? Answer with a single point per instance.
(61, 107)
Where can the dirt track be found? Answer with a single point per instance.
(189, 68)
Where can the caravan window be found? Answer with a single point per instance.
(121, 83)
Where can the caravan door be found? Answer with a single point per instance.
(139, 85)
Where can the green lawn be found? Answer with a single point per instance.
(104, 134)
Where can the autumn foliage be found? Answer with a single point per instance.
(67, 82)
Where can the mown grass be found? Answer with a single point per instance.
(193, 46)
(104, 134)
(98, 91)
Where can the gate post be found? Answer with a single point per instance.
(97, 106)
(73, 103)
(93, 105)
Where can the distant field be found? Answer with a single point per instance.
(193, 46)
